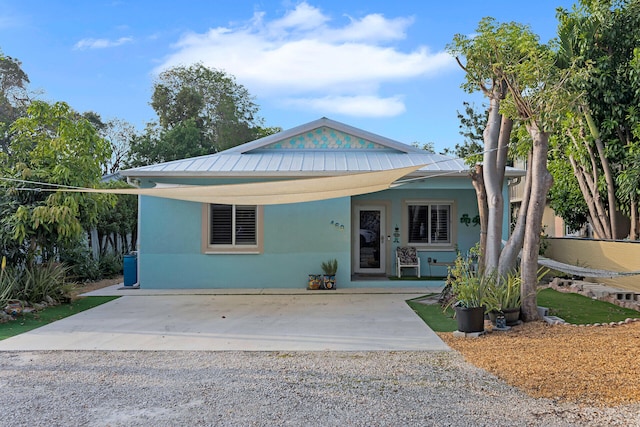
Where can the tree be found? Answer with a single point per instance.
(200, 111)
(598, 44)
(14, 97)
(472, 125)
(518, 76)
(55, 145)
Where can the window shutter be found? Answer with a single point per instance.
(440, 224)
(221, 225)
(418, 224)
(246, 225)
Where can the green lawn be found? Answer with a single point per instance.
(29, 321)
(578, 309)
(433, 316)
(573, 308)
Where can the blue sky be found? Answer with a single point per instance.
(377, 65)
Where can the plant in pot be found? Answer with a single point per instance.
(503, 298)
(468, 289)
(329, 278)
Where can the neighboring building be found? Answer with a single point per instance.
(256, 244)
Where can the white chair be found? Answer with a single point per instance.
(407, 257)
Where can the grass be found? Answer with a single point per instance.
(572, 308)
(29, 321)
(433, 316)
(582, 310)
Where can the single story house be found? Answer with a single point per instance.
(283, 204)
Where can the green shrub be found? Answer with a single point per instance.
(111, 265)
(82, 265)
(42, 282)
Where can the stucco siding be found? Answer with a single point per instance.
(297, 238)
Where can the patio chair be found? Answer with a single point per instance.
(407, 257)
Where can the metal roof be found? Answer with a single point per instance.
(321, 147)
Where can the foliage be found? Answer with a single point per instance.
(504, 293)
(598, 44)
(36, 283)
(565, 197)
(118, 222)
(330, 267)
(82, 265)
(111, 265)
(472, 125)
(51, 144)
(467, 285)
(200, 111)
(14, 98)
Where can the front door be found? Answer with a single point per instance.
(370, 239)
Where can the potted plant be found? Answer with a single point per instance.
(329, 279)
(468, 289)
(503, 298)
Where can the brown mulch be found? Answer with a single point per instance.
(591, 365)
(92, 286)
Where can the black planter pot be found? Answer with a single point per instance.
(470, 319)
(511, 316)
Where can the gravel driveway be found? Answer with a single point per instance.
(97, 388)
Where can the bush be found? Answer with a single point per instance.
(41, 282)
(111, 265)
(81, 264)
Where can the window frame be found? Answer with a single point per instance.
(429, 245)
(209, 248)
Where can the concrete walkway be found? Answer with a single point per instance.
(244, 320)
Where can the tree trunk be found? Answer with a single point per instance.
(481, 195)
(509, 255)
(633, 233)
(608, 176)
(541, 181)
(493, 187)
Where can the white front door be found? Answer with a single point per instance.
(370, 239)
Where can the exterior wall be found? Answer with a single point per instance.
(297, 238)
(460, 191)
(600, 254)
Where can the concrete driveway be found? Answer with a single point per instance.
(257, 320)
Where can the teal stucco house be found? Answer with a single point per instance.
(267, 213)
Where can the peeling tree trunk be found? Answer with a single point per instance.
(541, 181)
(493, 187)
(509, 255)
(481, 195)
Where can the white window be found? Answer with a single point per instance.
(233, 228)
(429, 223)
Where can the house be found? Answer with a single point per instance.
(283, 204)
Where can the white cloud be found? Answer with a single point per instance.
(101, 43)
(312, 62)
(358, 106)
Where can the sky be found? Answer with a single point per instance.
(381, 66)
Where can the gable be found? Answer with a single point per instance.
(325, 138)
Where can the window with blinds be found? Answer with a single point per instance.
(429, 223)
(232, 225)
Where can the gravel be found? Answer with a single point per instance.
(273, 389)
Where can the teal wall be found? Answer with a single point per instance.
(297, 239)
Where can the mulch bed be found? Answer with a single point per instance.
(592, 365)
